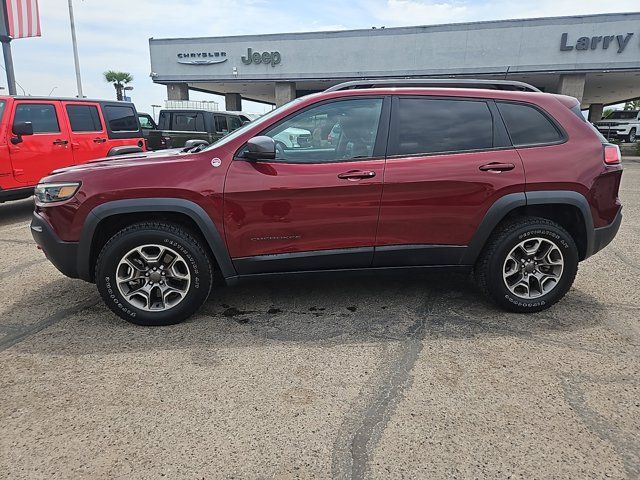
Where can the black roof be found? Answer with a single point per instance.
(65, 99)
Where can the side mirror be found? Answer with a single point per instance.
(260, 148)
(20, 129)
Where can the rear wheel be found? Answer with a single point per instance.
(527, 265)
(632, 137)
(153, 274)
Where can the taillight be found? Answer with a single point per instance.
(612, 154)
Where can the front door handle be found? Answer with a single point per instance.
(497, 167)
(60, 142)
(356, 175)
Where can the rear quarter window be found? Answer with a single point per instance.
(528, 126)
(121, 118)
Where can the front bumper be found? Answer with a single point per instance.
(63, 255)
(602, 236)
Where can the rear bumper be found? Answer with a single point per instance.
(602, 236)
(63, 255)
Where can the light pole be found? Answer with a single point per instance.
(127, 89)
(75, 49)
(154, 111)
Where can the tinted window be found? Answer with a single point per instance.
(42, 116)
(335, 131)
(623, 115)
(163, 121)
(221, 124)
(121, 118)
(84, 118)
(234, 122)
(188, 122)
(433, 126)
(528, 125)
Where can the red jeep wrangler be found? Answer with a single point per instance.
(494, 177)
(38, 135)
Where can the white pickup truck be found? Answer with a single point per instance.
(622, 124)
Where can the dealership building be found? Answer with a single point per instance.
(595, 58)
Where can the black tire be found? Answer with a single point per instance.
(489, 267)
(631, 138)
(166, 234)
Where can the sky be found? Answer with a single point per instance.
(114, 34)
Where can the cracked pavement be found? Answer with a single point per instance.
(353, 377)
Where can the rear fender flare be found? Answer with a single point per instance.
(506, 204)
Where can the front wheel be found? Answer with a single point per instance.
(527, 265)
(153, 273)
(632, 137)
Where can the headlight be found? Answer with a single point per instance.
(56, 192)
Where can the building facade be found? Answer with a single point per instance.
(595, 58)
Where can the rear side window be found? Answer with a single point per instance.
(84, 118)
(221, 124)
(427, 126)
(41, 115)
(188, 122)
(121, 118)
(527, 125)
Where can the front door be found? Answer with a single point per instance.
(448, 161)
(44, 151)
(316, 205)
(88, 132)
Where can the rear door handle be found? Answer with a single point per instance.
(497, 167)
(356, 175)
(99, 140)
(60, 142)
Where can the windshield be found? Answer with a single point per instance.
(260, 121)
(623, 115)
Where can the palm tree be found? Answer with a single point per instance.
(119, 80)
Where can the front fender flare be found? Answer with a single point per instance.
(143, 205)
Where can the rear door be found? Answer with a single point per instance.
(49, 146)
(448, 161)
(88, 132)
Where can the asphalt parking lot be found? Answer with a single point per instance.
(413, 377)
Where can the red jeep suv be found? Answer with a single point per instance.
(493, 177)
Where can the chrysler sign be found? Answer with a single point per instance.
(202, 58)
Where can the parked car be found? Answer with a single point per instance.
(39, 135)
(621, 124)
(176, 127)
(147, 123)
(528, 191)
(293, 138)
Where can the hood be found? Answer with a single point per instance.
(129, 160)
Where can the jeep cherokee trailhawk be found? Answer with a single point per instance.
(494, 177)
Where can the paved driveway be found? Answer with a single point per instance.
(414, 377)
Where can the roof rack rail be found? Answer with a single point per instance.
(433, 82)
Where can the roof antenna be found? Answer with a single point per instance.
(507, 72)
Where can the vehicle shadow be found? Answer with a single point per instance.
(15, 211)
(316, 312)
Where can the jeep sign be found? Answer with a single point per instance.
(272, 58)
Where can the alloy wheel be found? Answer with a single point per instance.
(153, 277)
(533, 268)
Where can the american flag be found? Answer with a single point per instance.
(23, 18)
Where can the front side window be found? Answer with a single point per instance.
(121, 118)
(527, 125)
(429, 126)
(41, 115)
(146, 123)
(84, 118)
(340, 130)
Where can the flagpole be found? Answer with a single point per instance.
(75, 49)
(6, 51)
